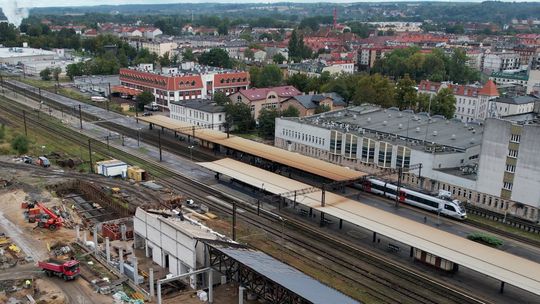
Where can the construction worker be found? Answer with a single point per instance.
(27, 284)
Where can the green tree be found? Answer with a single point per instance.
(267, 122)
(375, 89)
(279, 58)
(299, 81)
(45, 74)
(221, 99)
(322, 109)
(297, 49)
(422, 102)
(165, 60)
(75, 69)
(56, 73)
(290, 112)
(20, 144)
(271, 76)
(223, 28)
(239, 116)
(249, 54)
(246, 36)
(444, 103)
(216, 57)
(143, 99)
(406, 93)
(188, 55)
(345, 85)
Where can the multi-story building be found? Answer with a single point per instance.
(314, 68)
(509, 164)
(367, 56)
(527, 79)
(515, 105)
(159, 47)
(500, 61)
(187, 82)
(199, 112)
(526, 53)
(473, 102)
(258, 99)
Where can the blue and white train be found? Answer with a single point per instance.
(443, 204)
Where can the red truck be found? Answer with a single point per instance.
(67, 270)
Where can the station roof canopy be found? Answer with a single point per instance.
(294, 160)
(282, 274)
(492, 262)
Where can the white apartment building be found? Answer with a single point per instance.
(515, 105)
(199, 112)
(509, 164)
(159, 48)
(500, 61)
(473, 102)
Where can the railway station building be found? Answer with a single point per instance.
(455, 156)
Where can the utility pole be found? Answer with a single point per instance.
(110, 97)
(234, 221)
(2, 83)
(90, 153)
(24, 119)
(159, 145)
(80, 116)
(400, 172)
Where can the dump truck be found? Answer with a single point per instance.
(67, 270)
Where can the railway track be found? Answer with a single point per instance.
(381, 279)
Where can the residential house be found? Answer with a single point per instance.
(473, 102)
(262, 98)
(310, 104)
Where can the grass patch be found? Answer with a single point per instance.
(74, 94)
(251, 136)
(485, 239)
(504, 227)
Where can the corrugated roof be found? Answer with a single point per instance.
(284, 275)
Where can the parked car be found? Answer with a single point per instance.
(27, 159)
(147, 114)
(43, 161)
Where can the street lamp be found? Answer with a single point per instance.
(138, 137)
(191, 152)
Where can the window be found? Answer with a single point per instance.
(219, 117)
(508, 186)
(449, 208)
(510, 168)
(512, 153)
(515, 138)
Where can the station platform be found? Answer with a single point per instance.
(505, 267)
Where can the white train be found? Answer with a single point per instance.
(443, 204)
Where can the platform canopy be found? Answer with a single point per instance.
(493, 262)
(290, 159)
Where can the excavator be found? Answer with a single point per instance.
(47, 219)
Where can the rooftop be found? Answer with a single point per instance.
(404, 127)
(517, 100)
(312, 101)
(516, 76)
(6, 52)
(204, 105)
(282, 91)
(283, 274)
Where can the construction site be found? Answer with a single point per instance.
(68, 237)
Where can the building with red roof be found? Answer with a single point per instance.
(263, 98)
(186, 82)
(473, 102)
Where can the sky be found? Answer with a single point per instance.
(44, 3)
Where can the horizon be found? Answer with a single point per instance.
(29, 4)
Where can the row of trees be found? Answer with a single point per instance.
(435, 66)
(377, 89)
